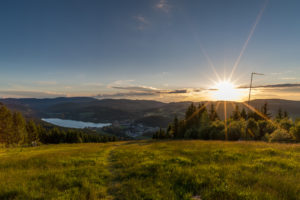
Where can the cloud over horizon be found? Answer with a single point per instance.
(284, 85)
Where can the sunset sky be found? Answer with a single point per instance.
(148, 49)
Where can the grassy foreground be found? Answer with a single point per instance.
(152, 170)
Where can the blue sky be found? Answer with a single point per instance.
(147, 49)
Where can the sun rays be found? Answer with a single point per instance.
(237, 62)
(227, 90)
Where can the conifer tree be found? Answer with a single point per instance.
(244, 114)
(279, 115)
(170, 133)
(32, 132)
(213, 115)
(190, 111)
(265, 110)
(285, 114)
(176, 127)
(236, 115)
(19, 135)
(5, 125)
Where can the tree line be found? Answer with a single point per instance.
(202, 123)
(15, 130)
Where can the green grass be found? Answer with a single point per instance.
(152, 170)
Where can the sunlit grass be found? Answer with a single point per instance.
(152, 170)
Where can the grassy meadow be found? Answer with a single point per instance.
(152, 170)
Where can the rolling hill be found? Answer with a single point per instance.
(150, 113)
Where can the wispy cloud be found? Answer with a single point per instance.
(29, 94)
(281, 73)
(136, 88)
(288, 78)
(276, 73)
(124, 95)
(152, 90)
(92, 84)
(163, 5)
(142, 22)
(285, 85)
(132, 91)
(160, 95)
(120, 83)
(45, 82)
(141, 19)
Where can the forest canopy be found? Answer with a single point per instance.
(251, 124)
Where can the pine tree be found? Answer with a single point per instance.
(32, 132)
(285, 114)
(244, 114)
(6, 124)
(176, 127)
(181, 128)
(279, 115)
(190, 111)
(19, 135)
(170, 133)
(265, 110)
(201, 109)
(236, 115)
(213, 115)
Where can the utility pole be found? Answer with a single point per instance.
(253, 73)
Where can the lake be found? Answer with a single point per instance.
(73, 123)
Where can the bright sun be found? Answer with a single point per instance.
(226, 91)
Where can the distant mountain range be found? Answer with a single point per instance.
(150, 113)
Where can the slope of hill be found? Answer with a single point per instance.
(152, 170)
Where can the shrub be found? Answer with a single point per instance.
(217, 130)
(204, 131)
(280, 135)
(296, 131)
(236, 129)
(191, 133)
(286, 124)
(252, 129)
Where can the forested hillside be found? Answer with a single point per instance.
(15, 130)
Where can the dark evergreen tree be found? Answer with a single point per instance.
(213, 115)
(236, 115)
(285, 114)
(33, 135)
(201, 109)
(181, 128)
(279, 115)
(244, 114)
(170, 133)
(265, 111)
(176, 127)
(5, 125)
(19, 132)
(190, 111)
